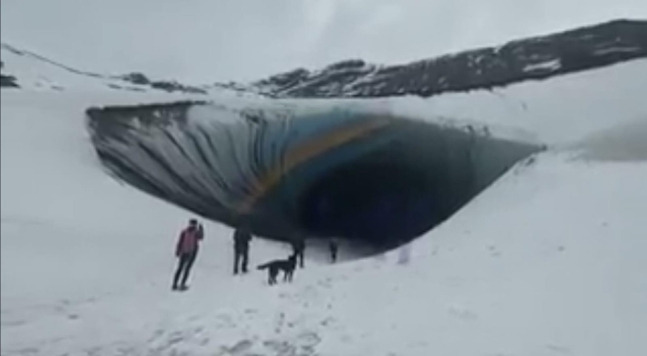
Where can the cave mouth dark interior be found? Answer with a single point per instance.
(395, 191)
(385, 202)
(385, 187)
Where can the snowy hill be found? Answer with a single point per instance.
(532, 58)
(27, 69)
(548, 260)
(524, 59)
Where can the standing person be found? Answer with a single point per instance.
(186, 251)
(299, 247)
(242, 236)
(332, 246)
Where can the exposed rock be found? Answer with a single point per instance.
(485, 68)
(172, 86)
(137, 78)
(7, 81)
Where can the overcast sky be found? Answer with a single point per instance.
(203, 41)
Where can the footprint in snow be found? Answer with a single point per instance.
(28, 351)
(73, 316)
(13, 323)
(156, 335)
(462, 313)
(308, 339)
(241, 347)
(559, 349)
(174, 339)
(280, 347)
(493, 251)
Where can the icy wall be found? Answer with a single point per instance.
(337, 171)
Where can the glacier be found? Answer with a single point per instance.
(548, 259)
(347, 171)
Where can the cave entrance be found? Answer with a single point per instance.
(379, 199)
(404, 187)
(380, 190)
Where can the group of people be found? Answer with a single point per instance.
(188, 244)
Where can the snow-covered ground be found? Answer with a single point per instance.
(550, 260)
(39, 73)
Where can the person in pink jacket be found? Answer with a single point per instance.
(186, 251)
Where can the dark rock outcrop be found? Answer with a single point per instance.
(485, 68)
(172, 86)
(137, 78)
(6, 80)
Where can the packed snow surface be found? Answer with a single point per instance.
(549, 260)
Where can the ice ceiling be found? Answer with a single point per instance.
(339, 171)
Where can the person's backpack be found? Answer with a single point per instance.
(189, 240)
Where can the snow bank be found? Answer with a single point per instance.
(557, 111)
(549, 260)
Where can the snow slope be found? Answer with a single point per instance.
(530, 58)
(559, 112)
(547, 261)
(39, 73)
(36, 72)
(68, 228)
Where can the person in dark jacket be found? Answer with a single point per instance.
(299, 247)
(242, 237)
(332, 246)
(186, 251)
